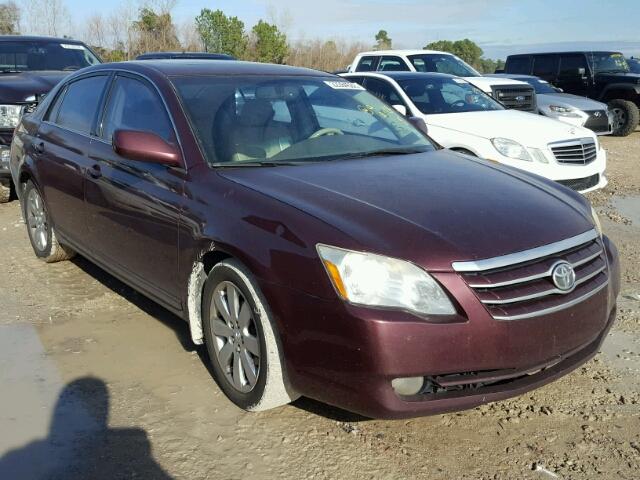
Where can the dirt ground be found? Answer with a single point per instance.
(98, 382)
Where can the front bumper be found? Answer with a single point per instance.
(347, 356)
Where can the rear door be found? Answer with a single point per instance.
(546, 67)
(62, 152)
(133, 207)
(368, 64)
(519, 64)
(573, 75)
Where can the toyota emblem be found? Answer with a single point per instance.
(563, 276)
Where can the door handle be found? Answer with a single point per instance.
(39, 147)
(95, 171)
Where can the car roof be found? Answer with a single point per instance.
(402, 75)
(29, 38)
(402, 52)
(188, 67)
(182, 55)
(575, 52)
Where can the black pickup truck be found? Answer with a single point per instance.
(29, 68)
(602, 76)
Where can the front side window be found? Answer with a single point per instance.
(265, 119)
(133, 105)
(609, 63)
(442, 63)
(392, 64)
(22, 56)
(447, 95)
(570, 65)
(76, 108)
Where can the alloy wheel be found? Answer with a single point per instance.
(236, 342)
(619, 118)
(37, 220)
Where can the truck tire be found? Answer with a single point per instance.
(626, 117)
(41, 233)
(5, 193)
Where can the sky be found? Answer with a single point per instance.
(500, 27)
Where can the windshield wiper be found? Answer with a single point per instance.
(10, 70)
(266, 163)
(381, 153)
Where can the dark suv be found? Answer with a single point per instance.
(29, 68)
(603, 76)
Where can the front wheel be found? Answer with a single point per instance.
(625, 117)
(241, 340)
(41, 233)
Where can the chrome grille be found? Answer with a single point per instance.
(519, 286)
(516, 97)
(575, 152)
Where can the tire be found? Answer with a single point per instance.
(626, 117)
(244, 349)
(41, 233)
(5, 193)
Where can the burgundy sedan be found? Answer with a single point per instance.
(314, 240)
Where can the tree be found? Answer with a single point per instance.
(269, 43)
(9, 18)
(467, 50)
(383, 42)
(221, 34)
(47, 17)
(155, 30)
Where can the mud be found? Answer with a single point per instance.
(98, 382)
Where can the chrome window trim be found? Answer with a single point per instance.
(526, 255)
(537, 276)
(555, 309)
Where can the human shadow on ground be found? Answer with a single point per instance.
(80, 444)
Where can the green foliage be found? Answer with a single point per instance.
(467, 50)
(9, 18)
(155, 31)
(270, 44)
(383, 42)
(221, 34)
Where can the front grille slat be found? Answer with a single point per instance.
(523, 286)
(516, 97)
(579, 152)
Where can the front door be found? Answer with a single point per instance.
(133, 207)
(574, 76)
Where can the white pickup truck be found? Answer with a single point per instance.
(513, 94)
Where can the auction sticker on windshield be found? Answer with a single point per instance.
(71, 46)
(338, 85)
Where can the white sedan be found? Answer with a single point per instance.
(461, 117)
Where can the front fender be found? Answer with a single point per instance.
(626, 87)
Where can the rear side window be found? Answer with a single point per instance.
(133, 105)
(393, 64)
(519, 65)
(545, 66)
(570, 64)
(76, 108)
(367, 64)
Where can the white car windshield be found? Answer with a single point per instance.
(442, 63)
(262, 120)
(447, 95)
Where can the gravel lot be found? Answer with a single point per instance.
(98, 382)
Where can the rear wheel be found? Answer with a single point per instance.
(240, 336)
(41, 233)
(625, 117)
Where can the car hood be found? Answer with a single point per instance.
(17, 87)
(566, 99)
(485, 83)
(525, 128)
(632, 78)
(432, 208)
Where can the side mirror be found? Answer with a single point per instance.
(146, 147)
(401, 109)
(419, 124)
(582, 71)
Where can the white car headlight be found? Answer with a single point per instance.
(10, 115)
(511, 149)
(564, 111)
(378, 281)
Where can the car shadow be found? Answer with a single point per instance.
(328, 411)
(80, 444)
(148, 306)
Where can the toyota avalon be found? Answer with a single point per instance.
(315, 240)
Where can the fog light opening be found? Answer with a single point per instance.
(407, 386)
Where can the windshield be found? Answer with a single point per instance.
(266, 120)
(540, 86)
(442, 63)
(609, 63)
(22, 56)
(447, 95)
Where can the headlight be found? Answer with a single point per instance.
(564, 111)
(511, 149)
(377, 281)
(10, 115)
(596, 221)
